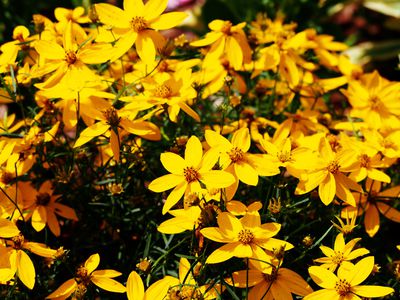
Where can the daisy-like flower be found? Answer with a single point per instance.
(138, 24)
(187, 173)
(157, 291)
(341, 253)
(372, 203)
(234, 158)
(346, 285)
(280, 284)
(244, 238)
(42, 208)
(85, 275)
(329, 177)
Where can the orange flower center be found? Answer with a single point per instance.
(138, 24)
(191, 174)
(271, 277)
(375, 102)
(333, 167)
(163, 91)
(337, 258)
(284, 156)
(111, 116)
(245, 236)
(43, 199)
(226, 28)
(6, 177)
(365, 161)
(343, 287)
(387, 144)
(18, 241)
(185, 293)
(236, 154)
(70, 57)
(82, 276)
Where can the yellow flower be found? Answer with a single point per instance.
(138, 24)
(341, 254)
(41, 205)
(329, 176)
(85, 275)
(233, 157)
(15, 259)
(373, 202)
(375, 100)
(280, 284)
(244, 238)
(187, 173)
(346, 284)
(157, 291)
(227, 39)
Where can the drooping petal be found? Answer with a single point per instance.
(134, 285)
(222, 254)
(327, 189)
(65, 290)
(91, 132)
(372, 220)
(25, 269)
(145, 48)
(108, 284)
(175, 195)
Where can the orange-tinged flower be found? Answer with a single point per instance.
(372, 203)
(346, 285)
(244, 238)
(279, 284)
(187, 173)
(138, 24)
(41, 206)
(341, 254)
(329, 176)
(85, 275)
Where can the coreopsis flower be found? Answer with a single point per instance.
(187, 173)
(71, 55)
(265, 30)
(346, 284)
(244, 238)
(329, 176)
(387, 142)
(349, 226)
(226, 38)
(15, 258)
(234, 158)
(375, 100)
(111, 123)
(157, 291)
(41, 206)
(281, 283)
(138, 24)
(372, 203)
(341, 253)
(85, 275)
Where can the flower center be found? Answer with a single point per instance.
(70, 57)
(6, 177)
(337, 258)
(191, 174)
(43, 199)
(236, 154)
(82, 276)
(163, 91)
(245, 236)
(365, 161)
(343, 287)
(375, 102)
(18, 241)
(284, 156)
(138, 24)
(111, 116)
(333, 167)
(185, 293)
(271, 277)
(226, 28)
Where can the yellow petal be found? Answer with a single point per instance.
(154, 8)
(39, 218)
(134, 7)
(92, 263)
(235, 54)
(108, 284)
(246, 278)
(322, 277)
(25, 269)
(134, 285)
(8, 229)
(91, 132)
(323, 294)
(112, 15)
(49, 50)
(222, 254)
(193, 152)
(122, 46)
(229, 225)
(327, 189)
(372, 291)
(246, 173)
(295, 282)
(165, 182)
(215, 234)
(371, 220)
(65, 290)
(173, 163)
(241, 139)
(175, 195)
(168, 20)
(106, 273)
(145, 48)
(217, 179)
(361, 271)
